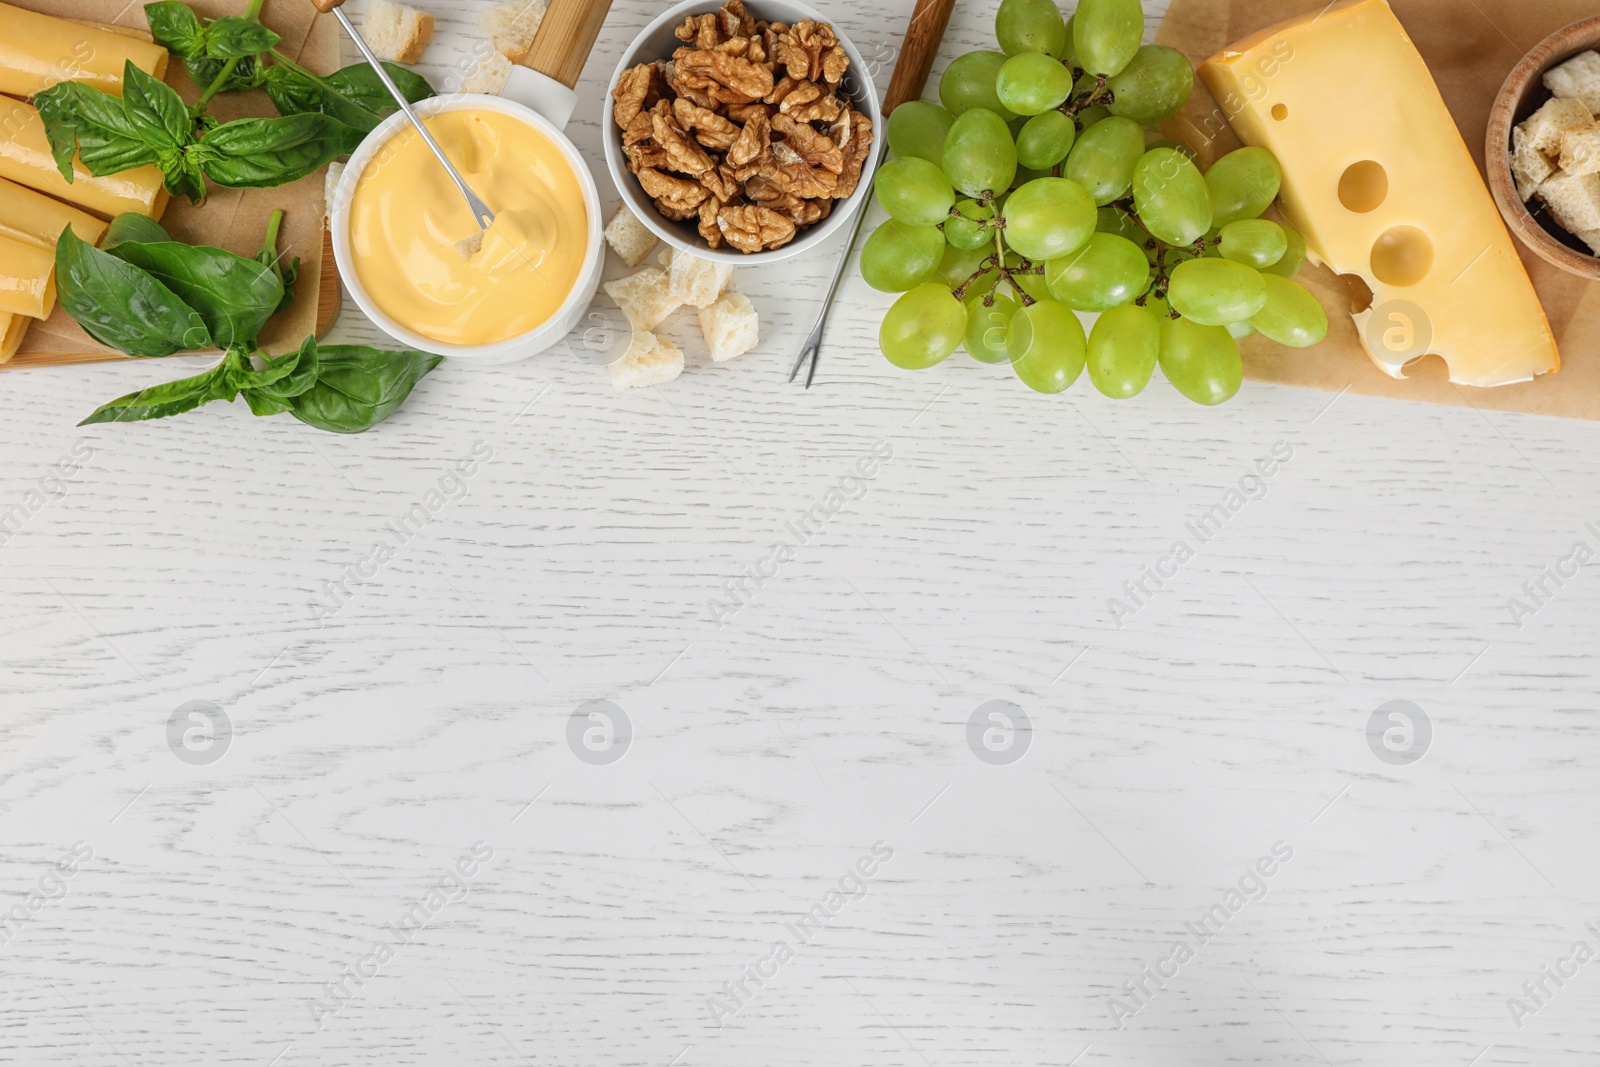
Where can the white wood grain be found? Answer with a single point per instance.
(771, 753)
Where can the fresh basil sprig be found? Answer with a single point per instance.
(206, 47)
(149, 124)
(147, 295)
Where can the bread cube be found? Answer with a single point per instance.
(488, 75)
(628, 237)
(650, 360)
(1580, 151)
(1544, 127)
(396, 32)
(644, 298)
(1592, 239)
(512, 26)
(730, 327)
(1577, 79)
(1573, 201)
(696, 281)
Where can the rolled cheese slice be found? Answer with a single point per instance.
(27, 278)
(25, 159)
(39, 50)
(38, 219)
(13, 328)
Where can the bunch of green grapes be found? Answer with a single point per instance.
(1035, 192)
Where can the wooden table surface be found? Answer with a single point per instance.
(403, 849)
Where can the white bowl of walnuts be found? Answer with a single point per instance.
(746, 133)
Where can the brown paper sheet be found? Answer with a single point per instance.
(1470, 48)
(232, 219)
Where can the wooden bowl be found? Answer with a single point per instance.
(1522, 94)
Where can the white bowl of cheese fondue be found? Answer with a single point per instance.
(397, 219)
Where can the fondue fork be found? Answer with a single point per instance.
(480, 211)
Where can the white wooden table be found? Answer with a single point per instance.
(223, 899)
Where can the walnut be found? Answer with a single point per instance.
(782, 88)
(676, 210)
(731, 79)
(789, 172)
(687, 157)
(751, 228)
(753, 141)
(644, 155)
(683, 194)
(709, 230)
(701, 30)
(857, 147)
(640, 129)
(811, 52)
(637, 90)
(735, 20)
(823, 109)
(721, 181)
(708, 127)
(735, 46)
(813, 147)
(756, 51)
(742, 114)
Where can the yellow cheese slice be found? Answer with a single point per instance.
(31, 216)
(38, 50)
(27, 278)
(25, 159)
(13, 328)
(1377, 178)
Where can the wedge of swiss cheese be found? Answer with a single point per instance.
(1378, 180)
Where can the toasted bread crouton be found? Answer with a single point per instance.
(1573, 201)
(1580, 151)
(696, 281)
(396, 32)
(643, 297)
(650, 360)
(730, 327)
(628, 237)
(1543, 129)
(1577, 79)
(512, 26)
(488, 75)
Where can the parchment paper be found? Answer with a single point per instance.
(1470, 48)
(232, 219)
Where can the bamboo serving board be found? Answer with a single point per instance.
(231, 219)
(1470, 49)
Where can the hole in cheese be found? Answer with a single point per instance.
(1280, 111)
(1357, 291)
(1403, 255)
(1364, 187)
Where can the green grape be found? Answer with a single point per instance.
(1031, 83)
(1291, 316)
(1293, 259)
(1256, 243)
(958, 265)
(1032, 284)
(1069, 50)
(979, 154)
(1176, 146)
(1026, 175)
(1212, 242)
(987, 328)
(1243, 184)
(1047, 346)
(1240, 330)
(1158, 306)
(1049, 218)
(968, 230)
(969, 81)
(1215, 292)
(1123, 348)
(1103, 159)
(918, 128)
(1171, 197)
(899, 256)
(1091, 116)
(1201, 362)
(923, 327)
(1106, 34)
(1045, 140)
(1154, 87)
(1115, 220)
(1108, 272)
(1030, 26)
(915, 191)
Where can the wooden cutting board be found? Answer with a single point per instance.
(1470, 48)
(231, 219)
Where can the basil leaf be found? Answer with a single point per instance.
(121, 305)
(270, 258)
(233, 295)
(358, 387)
(233, 37)
(132, 226)
(271, 390)
(173, 398)
(260, 153)
(182, 175)
(177, 28)
(94, 125)
(154, 109)
(203, 70)
(355, 96)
